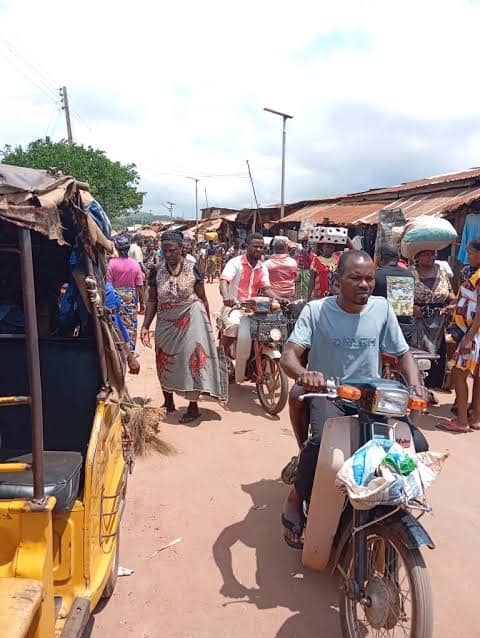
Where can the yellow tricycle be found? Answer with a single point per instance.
(63, 459)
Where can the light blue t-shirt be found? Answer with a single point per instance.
(346, 345)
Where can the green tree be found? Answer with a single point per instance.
(113, 184)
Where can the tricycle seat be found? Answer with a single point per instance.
(62, 477)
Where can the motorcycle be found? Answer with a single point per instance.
(262, 331)
(376, 552)
(391, 368)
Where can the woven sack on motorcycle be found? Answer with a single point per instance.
(390, 488)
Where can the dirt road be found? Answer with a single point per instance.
(231, 575)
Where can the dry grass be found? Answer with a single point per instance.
(142, 421)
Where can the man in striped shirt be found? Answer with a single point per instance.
(243, 278)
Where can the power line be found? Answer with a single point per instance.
(55, 112)
(47, 85)
(22, 61)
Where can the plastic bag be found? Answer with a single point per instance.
(367, 459)
(387, 487)
(427, 233)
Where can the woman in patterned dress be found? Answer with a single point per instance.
(433, 294)
(466, 359)
(186, 355)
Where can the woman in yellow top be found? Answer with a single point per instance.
(466, 359)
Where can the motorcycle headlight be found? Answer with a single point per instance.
(275, 334)
(423, 364)
(391, 402)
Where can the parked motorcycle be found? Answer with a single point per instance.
(385, 584)
(261, 333)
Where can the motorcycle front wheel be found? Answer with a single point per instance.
(398, 597)
(273, 392)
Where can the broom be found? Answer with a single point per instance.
(141, 422)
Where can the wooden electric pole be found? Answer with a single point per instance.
(66, 108)
(254, 222)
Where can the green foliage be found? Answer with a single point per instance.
(121, 221)
(113, 184)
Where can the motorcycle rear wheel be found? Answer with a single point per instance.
(273, 392)
(390, 606)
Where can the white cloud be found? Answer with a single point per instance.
(378, 89)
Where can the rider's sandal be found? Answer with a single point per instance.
(289, 472)
(293, 533)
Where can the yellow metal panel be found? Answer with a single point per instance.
(104, 472)
(20, 600)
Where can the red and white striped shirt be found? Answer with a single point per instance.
(244, 280)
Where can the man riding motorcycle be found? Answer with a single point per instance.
(242, 278)
(340, 337)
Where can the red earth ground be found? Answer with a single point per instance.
(231, 575)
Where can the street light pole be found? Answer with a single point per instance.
(285, 117)
(196, 180)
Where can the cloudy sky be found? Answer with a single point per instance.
(381, 91)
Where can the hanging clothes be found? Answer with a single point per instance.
(471, 230)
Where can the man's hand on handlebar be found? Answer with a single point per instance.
(311, 381)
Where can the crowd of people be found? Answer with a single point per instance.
(170, 273)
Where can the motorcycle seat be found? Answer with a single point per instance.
(62, 477)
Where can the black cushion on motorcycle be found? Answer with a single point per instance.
(62, 477)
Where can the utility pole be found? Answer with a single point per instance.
(254, 223)
(196, 180)
(206, 198)
(66, 108)
(284, 137)
(170, 208)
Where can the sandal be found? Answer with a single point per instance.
(292, 533)
(289, 472)
(188, 417)
(452, 426)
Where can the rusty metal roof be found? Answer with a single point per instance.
(436, 196)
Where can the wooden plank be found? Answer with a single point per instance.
(20, 599)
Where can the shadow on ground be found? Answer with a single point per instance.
(281, 579)
(244, 398)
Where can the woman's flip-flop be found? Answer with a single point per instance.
(293, 533)
(452, 426)
(188, 417)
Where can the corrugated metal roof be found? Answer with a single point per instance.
(436, 181)
(347, 212)
(351, 212)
